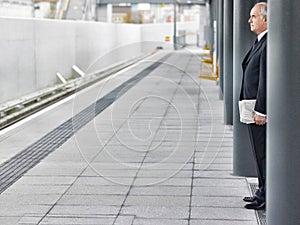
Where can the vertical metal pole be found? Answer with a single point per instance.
(228, 62)
(33, 9)
(283, 127)
(243, 161)
(175, 26)
(220, 47)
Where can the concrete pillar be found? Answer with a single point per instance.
(212, 16)
(283, 130)
(220, 46)
(101, 13)
(175, 25)
(243, 38)
(228, 62)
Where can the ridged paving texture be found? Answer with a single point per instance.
(14, 168)
(260, 214)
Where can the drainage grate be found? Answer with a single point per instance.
(14, 168)
(260, 214)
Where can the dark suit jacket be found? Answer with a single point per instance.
(254, 75)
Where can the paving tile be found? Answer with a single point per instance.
(223, 222)
(134, 164)
(220, 191)
(8, 220)
(98, 190)
(161, 191)
(129, 172)
(163, 181)
(83, 210)
(30, 219)
(57, 169)
(149, 221)
(46, 180)
(157, 201)
(164, 173)
(92, 200)
(15, 209)
(213, 166)
(214, 174)
(215, 182)
(25, 189)
(30, 199)
(218, 202)
(102, 181)
(161, 212)
(78, 220)
(214, 213)
(124, 220)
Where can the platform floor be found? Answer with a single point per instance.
(158, 154)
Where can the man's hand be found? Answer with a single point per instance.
(259, 120)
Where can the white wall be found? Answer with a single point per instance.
(34, 50)
(7, 9)
(17, 58)
(54, 50)
(113, 43)
(158, 32)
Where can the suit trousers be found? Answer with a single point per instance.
(257, 136)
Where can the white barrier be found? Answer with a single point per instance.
(33, 51)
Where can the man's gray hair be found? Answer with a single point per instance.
(263, 9)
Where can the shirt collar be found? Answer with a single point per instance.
(259, 37)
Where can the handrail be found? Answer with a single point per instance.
(15, 110)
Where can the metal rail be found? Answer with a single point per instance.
(13, 111)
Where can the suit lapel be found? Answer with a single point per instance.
(251, 53)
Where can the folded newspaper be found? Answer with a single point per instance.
(246, 108)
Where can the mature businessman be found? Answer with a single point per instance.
(254, 88)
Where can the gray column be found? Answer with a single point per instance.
(228, 62)
(283, 128)
(175, 25)
(101, 13)
(212, 13)
(220, 46)
(243, 162)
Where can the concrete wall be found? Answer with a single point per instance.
(34, 50)
(157, 32)
(17, 58)
(7, 9)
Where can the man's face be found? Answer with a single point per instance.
(257, 24)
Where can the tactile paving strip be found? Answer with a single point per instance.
(14, 168)
(260, 214)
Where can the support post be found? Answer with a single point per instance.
(212, 19)
(228, 62)
(220, 48)
(175, 26)
(243, 160)
(283, 131)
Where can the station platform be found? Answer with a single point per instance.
(146, 146)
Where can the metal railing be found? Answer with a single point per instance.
(15, 110)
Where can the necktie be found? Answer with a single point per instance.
(255, 44)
